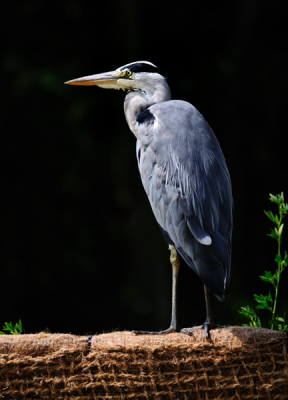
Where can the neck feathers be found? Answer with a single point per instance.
(137, 101)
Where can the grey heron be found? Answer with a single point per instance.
(185, 177)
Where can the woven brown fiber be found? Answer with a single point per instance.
(237, 363)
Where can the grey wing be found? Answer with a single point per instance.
(185, 176)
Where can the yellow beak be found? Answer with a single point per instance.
(106, 80)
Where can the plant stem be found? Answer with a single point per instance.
(279, 267)
(277, 285)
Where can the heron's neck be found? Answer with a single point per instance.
(137, 101)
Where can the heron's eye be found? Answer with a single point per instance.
(128, 72)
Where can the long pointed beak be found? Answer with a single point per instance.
(106, 80)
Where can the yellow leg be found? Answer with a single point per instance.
(175, 261)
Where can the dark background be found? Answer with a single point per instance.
(81, 250)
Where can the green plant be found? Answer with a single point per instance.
(14, 330)
(268, 302)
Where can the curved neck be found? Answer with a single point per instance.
(137, 101)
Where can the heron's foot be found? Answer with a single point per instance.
(171, 329)
(207, 326)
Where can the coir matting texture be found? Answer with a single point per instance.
(237, 363)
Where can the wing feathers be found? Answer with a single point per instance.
(198, 232)
(187, 182)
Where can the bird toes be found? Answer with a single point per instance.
(207, 327)
(171, 329)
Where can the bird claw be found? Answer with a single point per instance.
(207, 327)
(171, 329)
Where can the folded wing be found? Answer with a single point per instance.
(185, 176)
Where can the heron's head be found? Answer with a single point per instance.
(140, 75)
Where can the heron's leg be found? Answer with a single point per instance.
(209, 323)
(175, 261)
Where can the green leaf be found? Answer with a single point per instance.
(263, 301)
(267, 277)
(285, 208)
(276, 230)
(273, 322)
(8, 326)
(273, 234)
(281, 327)
(263, 307)
(261, 298)
(274, 218)
(280, 319)
(276, 276)
(281, 230)
(18, 328)
(273, 198)
(247, 312)
(278, 258)
(278, 198)
(285, 262)
(269, 297)
(14, 330)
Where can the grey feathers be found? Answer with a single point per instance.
(187, 182)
